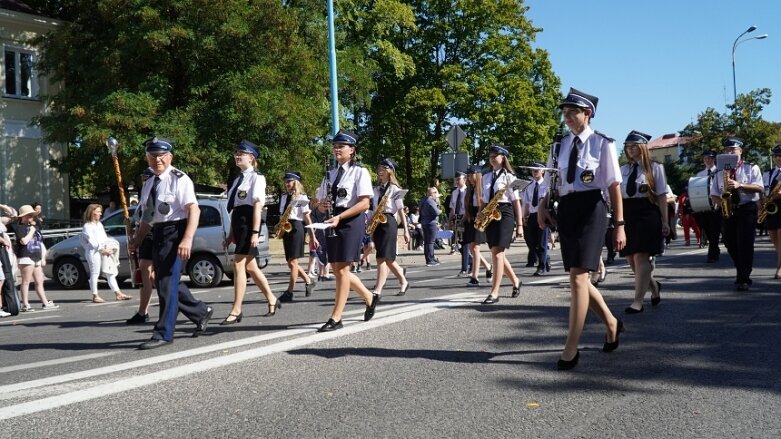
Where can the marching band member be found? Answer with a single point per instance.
(456, 218)
(773, 221)
(385, 235)
(709, 221)
(744, 183)
(644, 192)
(499, 233)
(246, 198)
(293, 241)
(587, 165)
(351, 188)
(171, 211)
(536, 238)
(473, 237)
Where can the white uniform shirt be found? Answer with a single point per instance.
(528, 195)
(393, 206)
(355, 182)
(641, 190)
(745, 173)
(252, 189)
(296, 213)
(174, 193)
(704, 172)
(597, 165)
(499, 180)
(454, 196)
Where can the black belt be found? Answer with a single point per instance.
(170, 223)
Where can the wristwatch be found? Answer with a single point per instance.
(620, 223)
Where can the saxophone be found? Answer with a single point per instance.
(284, 226)
(490, 212)
(769, 207)
(378, 217)
(726, 196)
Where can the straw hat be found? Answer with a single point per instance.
(26, 210)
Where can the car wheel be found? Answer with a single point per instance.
(204, 271)
(70, 274)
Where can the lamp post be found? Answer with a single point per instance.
(332, 69)
(734, 46)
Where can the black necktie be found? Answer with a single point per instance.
(536, 196)
(232, 195)
(459, 202)
(773, 179)
(334, 188)
(573, 160)
(149, 209)
(631, 184)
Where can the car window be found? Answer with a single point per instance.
(210, 217)
(115, 224)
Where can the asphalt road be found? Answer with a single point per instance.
(435, 363)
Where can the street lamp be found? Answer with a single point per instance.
(734, 46)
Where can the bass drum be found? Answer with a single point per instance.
(699, 194)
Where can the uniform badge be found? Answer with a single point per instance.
(164, 208)
(242, 195)
(587, 176)
(643, 188)
(341, 193)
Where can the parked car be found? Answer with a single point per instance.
(66, 265)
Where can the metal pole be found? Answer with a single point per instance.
(332, 69)
(734, 45)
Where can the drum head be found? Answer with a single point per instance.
(699, 194)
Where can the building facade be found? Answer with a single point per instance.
(24, 157)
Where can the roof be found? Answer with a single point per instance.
(667, 141)
(15, 5)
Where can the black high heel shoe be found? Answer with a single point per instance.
(612, 346)
(403, 291)
(272, 308)
(567, 365)
(237, 319)
(490, 300)
(655, 300)
(517, 289)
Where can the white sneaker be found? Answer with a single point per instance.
(27, 308)
(50, 305)
(4, 314)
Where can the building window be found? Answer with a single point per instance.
(19, 73)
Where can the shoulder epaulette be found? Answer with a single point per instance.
(605, 136)
(177, 172)
(146, 175)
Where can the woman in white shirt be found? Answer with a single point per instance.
(94, 240)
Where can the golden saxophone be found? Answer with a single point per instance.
(769, 207)
(284, 226)
(378, 217)
(490, 212)
(726, 196)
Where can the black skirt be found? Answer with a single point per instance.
(241, 226)
(773, 222)
(582, 222)
(470, 233)
(386, 238)
(500, 233)
(346, 245)
(643, 227)
(293, 241)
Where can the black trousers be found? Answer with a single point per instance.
(173, 294)
(710, 224)
(537, 242)
(429, 236)
(739, 232)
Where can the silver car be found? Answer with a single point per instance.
(66, 265)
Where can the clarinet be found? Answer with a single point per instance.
(330, 212)
(554, 180)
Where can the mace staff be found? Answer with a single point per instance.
(135, 277)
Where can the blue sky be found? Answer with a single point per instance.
(656, 64)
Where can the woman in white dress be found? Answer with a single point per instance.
(94, 240)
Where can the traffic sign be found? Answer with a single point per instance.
(455, 137)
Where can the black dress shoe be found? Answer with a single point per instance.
(369, 313)
(630, 310)
(567, 365)
(200, 328)
(287, 296)
(539, 272)
(743, 286)
(330, 325)
(517, 289)
(489, 273)
(612, 346)
(236, 319)
(153, 344)
(655, 300)
(490, 300)
(530, 264)
(309, 287)
(137, 319)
